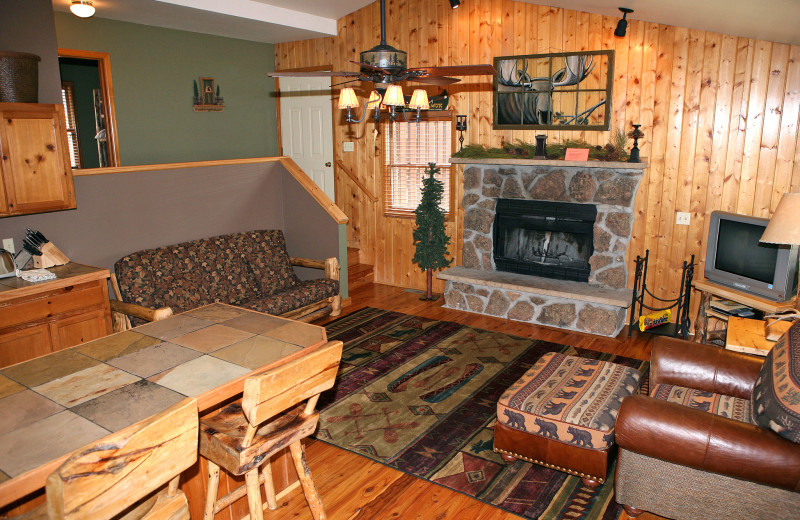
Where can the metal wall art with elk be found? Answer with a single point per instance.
(554, 91)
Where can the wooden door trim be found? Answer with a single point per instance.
(107, 87)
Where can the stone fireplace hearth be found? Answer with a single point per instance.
(597, 306)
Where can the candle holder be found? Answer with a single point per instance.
(541, 147)
(461, 126)
(635, 134)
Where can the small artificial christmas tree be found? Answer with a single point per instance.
(430, 238)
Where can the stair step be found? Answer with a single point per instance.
(353, 256)
(360, 274)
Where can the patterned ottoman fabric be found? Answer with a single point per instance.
(718, 404)
(570, 399)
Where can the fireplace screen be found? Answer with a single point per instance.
(549, 239)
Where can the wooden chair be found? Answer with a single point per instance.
(243, 436)
(110, 476)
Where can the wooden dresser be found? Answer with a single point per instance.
(40, 318)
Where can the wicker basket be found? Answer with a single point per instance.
(19, 77)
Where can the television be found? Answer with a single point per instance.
(735, 257)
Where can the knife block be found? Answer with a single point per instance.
(50, 257)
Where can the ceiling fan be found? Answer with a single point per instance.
(384, 65)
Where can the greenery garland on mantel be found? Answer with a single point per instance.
(612, 152)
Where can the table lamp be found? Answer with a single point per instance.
(784, 227)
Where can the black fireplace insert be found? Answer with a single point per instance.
(543, 238)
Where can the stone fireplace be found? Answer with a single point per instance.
(545, 242)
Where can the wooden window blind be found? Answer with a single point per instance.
(68, 99)
(409, 149)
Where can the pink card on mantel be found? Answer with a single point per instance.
(577, 154)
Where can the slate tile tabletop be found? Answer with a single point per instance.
(55, 404)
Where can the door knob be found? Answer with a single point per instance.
(328, 164)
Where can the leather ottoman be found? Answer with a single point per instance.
(561, 414)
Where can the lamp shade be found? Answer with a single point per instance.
(419, 100)
(374, 99)
(347, 98)
(622, 28)
(394, 96)
(784, 226)
(82, 8)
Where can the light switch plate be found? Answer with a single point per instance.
(682, 218)
(349, 146)
(8, 245)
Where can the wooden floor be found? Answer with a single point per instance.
(355, 488)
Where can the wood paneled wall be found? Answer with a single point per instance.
(719, 113)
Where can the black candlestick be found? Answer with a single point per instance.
(461, 126)
(541, 146)
(636, 134)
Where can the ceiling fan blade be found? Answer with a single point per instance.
(314, 74)
(371, 67)
(456, 70)
(435, 80)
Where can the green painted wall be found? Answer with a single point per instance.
(153, 70)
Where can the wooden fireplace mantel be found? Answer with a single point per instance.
(615, 165)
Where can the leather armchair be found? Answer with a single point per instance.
(686, 463)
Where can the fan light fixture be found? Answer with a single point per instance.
(455, 3)
(82, 8)
(622, 26)
(392, 99)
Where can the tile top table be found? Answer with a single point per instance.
(55, 404)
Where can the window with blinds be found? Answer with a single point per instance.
(409, 149)
(68, 99)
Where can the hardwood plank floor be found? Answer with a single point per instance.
(355, 488)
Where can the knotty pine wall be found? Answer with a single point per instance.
(719, 113)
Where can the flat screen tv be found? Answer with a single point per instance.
(736, 258)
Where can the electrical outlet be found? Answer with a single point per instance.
(8, 245)
(348, 146)
(682, 218)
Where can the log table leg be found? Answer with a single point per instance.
(701, 323)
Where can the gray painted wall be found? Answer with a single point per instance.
(27, 26)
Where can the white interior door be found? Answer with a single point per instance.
(307, 127)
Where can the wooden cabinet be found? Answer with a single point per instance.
(37, 319)
(34, 160)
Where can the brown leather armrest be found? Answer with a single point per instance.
(703, 367)
(708, 442)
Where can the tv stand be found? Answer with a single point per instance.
(709, 290)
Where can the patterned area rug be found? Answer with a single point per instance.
(420, 395)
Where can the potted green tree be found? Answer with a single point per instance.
(430, 238)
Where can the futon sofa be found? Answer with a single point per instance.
(251, 270)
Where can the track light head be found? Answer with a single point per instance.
(622, 26)
(455, 3)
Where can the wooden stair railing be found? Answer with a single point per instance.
(355, 179)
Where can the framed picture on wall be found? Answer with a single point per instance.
(207, 95)
(559, 91)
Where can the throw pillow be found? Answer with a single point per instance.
(776, 394)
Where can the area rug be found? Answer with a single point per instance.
(420, 395)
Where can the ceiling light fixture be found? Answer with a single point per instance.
(622, 26)
(455, 3)
(82, 8)
(392, 99)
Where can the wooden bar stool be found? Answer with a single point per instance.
(113, 474)
(271, 415)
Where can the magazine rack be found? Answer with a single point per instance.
(678, 328)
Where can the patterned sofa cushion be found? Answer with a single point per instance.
(776, 394)
(723, 405)
(302, 294)
(568, 398)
